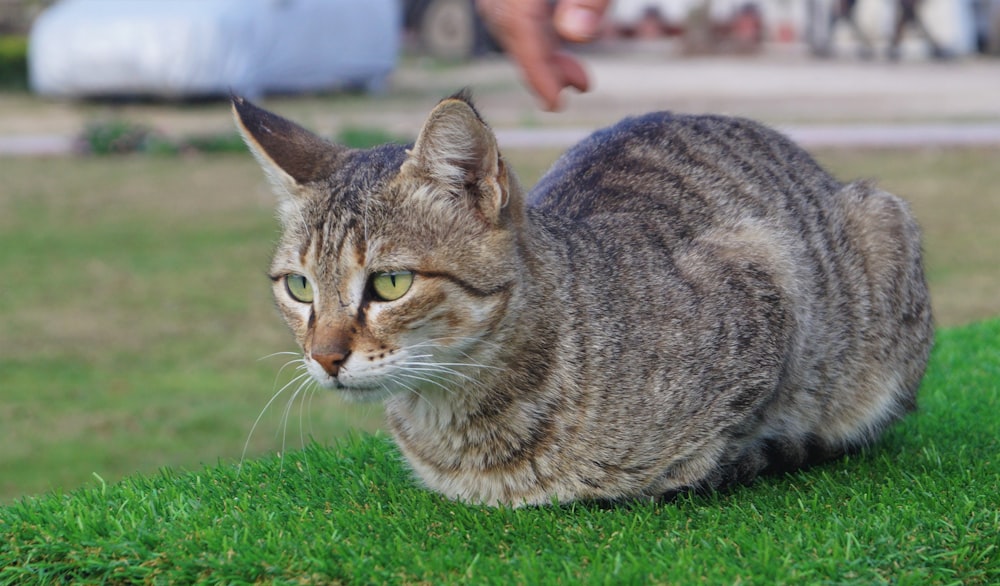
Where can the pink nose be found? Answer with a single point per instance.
(331, 362)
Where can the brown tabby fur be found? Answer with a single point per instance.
(681, 302)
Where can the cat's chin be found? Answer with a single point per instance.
(354, 395)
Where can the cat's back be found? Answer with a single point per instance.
(777, 274)
(693, 170)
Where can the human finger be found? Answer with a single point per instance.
(523, 28)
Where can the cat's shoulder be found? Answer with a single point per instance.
(663, 127)
(651, 145)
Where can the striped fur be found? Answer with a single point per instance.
(682, 302)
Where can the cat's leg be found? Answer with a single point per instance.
(878, 379)
(770, 455)
(709, 469)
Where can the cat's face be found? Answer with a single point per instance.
(391, 278)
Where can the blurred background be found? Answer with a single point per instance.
(136, 325)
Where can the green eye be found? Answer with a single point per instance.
(299, 288)
(391, 286)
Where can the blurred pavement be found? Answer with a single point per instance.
(820, 102)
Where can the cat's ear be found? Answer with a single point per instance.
(290, 155)
(458, 151)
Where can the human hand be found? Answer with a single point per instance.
(529, 30)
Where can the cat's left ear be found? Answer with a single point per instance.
(458, 151)
(290, 155)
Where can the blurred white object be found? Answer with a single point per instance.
(952, 24)
(181, 48)
(630, 12)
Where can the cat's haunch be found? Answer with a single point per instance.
(681, 302)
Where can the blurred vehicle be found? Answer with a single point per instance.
(448, 29)
(196, 48)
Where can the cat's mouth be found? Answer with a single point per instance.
(360, 391)
(322, 378)
(360, 394)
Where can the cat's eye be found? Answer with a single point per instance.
(299, 288)
(391, 286)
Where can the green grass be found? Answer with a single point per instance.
(135, 308)
(133, 316)
(918, 508)
(954, 195)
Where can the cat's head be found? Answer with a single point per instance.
(396, 265)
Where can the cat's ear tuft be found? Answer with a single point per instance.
(458, 151)
(290, 155)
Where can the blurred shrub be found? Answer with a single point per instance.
(13, 62)
(363, 138)
(113, 137)
(117, 137)
(227, 142)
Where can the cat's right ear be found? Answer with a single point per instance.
(457, 150)
(291, 156)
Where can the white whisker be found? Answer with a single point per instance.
(432, 344)
(395, 379)
(444, 373)
(302, 419)
(267, 405)
(468, 364)
(434, 341)
(279, 354)
(306, 401)
(312, 393)
(284, 420)
(409, 376)
(434, 367)
(300, 368)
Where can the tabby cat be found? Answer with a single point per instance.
(681, 302)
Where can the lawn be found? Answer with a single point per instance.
(918, 509)
(136, 321)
